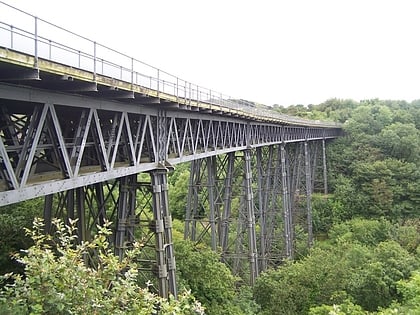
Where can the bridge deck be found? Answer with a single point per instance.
(74, 112)
(17, 67)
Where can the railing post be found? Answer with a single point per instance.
(36, 44)
(11, 36)
(158, 85)
(177, 90)
(189, 93)
(132, 73)
(94, 61)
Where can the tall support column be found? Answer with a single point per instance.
(227, 204)
(308, 183)
(287, 213)
(165, 256)
(324, 167)
(124, 233)
(81, 213)
(48, 204)
(211, 182)
(249, 203)
(189, 229)
(262, 193)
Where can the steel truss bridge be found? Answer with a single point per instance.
(81, 124)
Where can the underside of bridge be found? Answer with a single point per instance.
(98, 161)
(97, 138)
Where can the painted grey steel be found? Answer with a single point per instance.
(324, 167)
(84, 146)
(107, 62)
(287, 211)
(163, 234)
(125, 139)
(308, 192)
(250, 217)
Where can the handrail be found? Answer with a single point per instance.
(83, 53)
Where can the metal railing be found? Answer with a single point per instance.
(29, 34)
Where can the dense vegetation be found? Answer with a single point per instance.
(366, 261)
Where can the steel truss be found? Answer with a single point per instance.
(51, 142)
(265, 194)
(84, 155)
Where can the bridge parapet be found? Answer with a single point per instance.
(52, 141)
(32, 49)
(79, 121)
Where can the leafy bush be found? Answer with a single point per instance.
(59, 281)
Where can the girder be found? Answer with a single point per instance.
(87, 150)
(51, 142)
(81, 131)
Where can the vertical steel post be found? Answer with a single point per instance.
(262, 208)
(132, 73)
(11, 36)
(48, 204)
(163, 234)
(70, 205)
(125, 212)
(192, 201)
(227, 204)
(308, 194)
(94, 61)
(324, 167)
(165, 256)
(167, 220)
(162, 271)
(287, 216)
(249, 204)
(101, 203)
(211, 173)
(81, 214)
(36, 44)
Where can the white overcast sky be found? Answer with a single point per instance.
(272, 52)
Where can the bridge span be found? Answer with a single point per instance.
(80, 121)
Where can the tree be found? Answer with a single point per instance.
(199, 269)
(295, 287)
(59, 281)
(361, 231)
(178, 191)
(400, 141)
(13, 219)
(346, 308)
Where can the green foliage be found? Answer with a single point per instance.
(408, 235)
(58, 281)
(346, 308)
(13, 220)
(295, 287)
(361, 263)
(210, 281)
(178, 190)
(410, 304)
(400, 141)
(361, 231)
(391, 188)
(327, 211)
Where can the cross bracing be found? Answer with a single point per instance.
(81, 129)
(52, 142)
